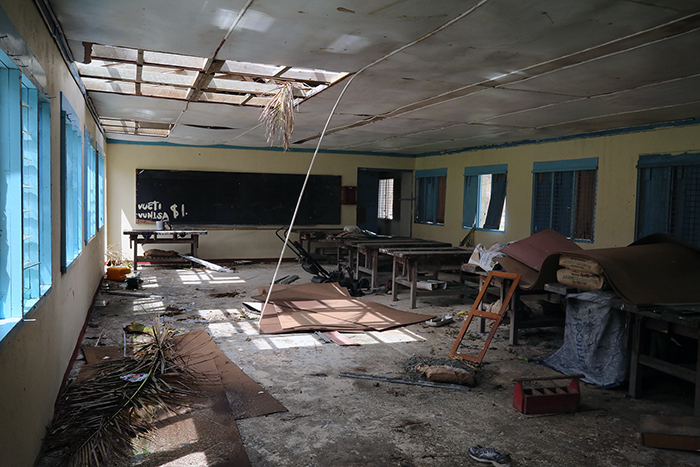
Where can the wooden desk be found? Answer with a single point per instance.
(141, 237)
(407, 261)
(367, 252)
(316, 235)
(347, 248)
(682, 320)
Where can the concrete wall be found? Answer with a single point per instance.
(616, 192)
(222, 242)
(34, 357)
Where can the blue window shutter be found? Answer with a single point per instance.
(498, 198)
(11, 195)
(71, 184)
(653, 200)
(541, 202)
(45, 193)
(31, 264)
(471, 201)
(100, 190)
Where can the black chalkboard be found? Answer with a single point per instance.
(191, 197)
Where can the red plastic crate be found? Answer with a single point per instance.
(551, 399)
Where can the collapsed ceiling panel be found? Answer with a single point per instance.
(437, 76)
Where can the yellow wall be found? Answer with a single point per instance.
(615, 201)
(34, 359)
(221, 242)
(616, 192)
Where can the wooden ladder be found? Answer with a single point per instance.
(497, 317)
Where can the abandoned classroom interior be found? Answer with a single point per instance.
(480, 122)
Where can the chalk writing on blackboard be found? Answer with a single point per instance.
(153, 210)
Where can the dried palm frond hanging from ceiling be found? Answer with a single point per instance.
(278, 114)
(98, 419)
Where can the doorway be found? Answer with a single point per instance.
(385, 201)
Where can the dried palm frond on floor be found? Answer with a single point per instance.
(99, 417)
(278, 114)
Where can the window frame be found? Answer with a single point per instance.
(90, 177)
(430, 195)
(471, 208)
(25, 193)
(560, 168)
(100, 189)
(666, 175)
(71, 185)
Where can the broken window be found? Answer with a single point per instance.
(485, 197)
(564, 197)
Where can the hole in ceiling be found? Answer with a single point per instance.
(209, 127)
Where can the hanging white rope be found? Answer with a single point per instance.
(325, 127)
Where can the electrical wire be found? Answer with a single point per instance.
(328, 121)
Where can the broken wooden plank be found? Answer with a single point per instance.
(207, 264)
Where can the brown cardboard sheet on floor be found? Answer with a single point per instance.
(655, 269)
(533, 250)
(207, 435)
(246, 397)
(99, 354)
(327, 307)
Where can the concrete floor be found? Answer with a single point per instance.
(336, 421)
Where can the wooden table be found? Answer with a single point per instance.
(316, 235)
(367, 252)
(407, 262)
(681, 320)
(141, 237)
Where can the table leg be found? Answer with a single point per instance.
(635, 384)
(696, 411)
(482, 320)
(375, 262)
(136, 254)
(193, 247)
(413, 273)
(514, 316)
(394, 285)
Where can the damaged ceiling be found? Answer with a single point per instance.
(425, 77)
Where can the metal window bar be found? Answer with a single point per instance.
(565, 201)
(684, 215)
(386, 199)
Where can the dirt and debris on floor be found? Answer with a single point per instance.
(332, 420)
